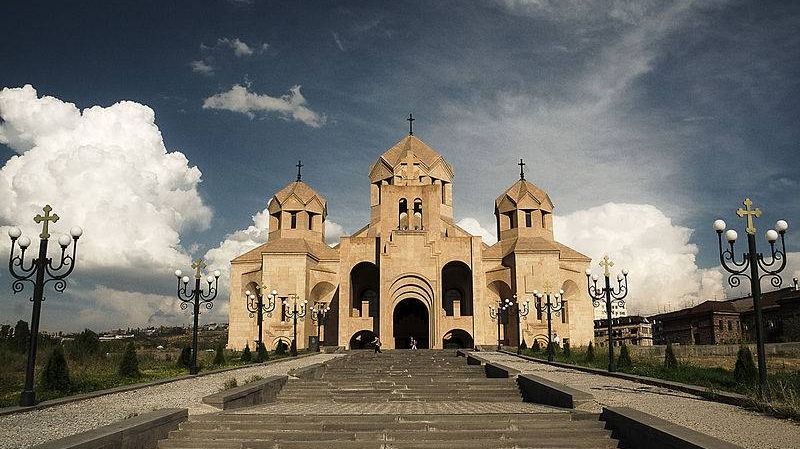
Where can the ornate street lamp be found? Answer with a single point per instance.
(752, 260)
(196, 296)
(35, 273)
(256, 306)
(522, 311)
(319, 313)
(499, 313)
(610, 296)
(550, 308)
(295, 313)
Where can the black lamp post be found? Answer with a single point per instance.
(752, 261)
(610, 296)
(522, 311)
(295, 312)
(499, 313)
(39, 273)
(196, 296)
(319, 313)
(256, 306)
(550, 308)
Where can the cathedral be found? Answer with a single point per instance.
(411, 271)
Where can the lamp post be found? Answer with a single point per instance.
(319, 313)
(195, 297)
(255, 305)
(39, 273)
(498, 313)
(752, 261)
(295, 313)
(522, 311)
(550, 308)
(610, 296)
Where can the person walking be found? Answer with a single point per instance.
(413, 343)
(377, 343)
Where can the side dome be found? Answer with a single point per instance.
(524, 210)
(297, 211)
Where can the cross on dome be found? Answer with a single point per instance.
(299, 166)
(410, 121)
(521, 169)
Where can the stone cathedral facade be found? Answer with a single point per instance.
(411, 271)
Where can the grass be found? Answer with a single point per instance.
(784, 383)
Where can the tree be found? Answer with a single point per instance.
(536, 346)
(86, 344)
(129, 365)
(219, 357)
(261, 353)
(55, 376)
(185, 358)
(590, 353)
(246, 356)
(21, 335)
(624, 361)
(567, 351)
(523, 346)
(281, 347)
(745, 371)
(670, 362)
(552, 349)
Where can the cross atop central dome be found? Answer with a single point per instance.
(411, 162)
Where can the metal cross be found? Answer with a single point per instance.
(606, 264)
(410, 121)
(547, 287)
(299, 166)
(46, 219)
(198, 265)
(751, 229)
(521, 169)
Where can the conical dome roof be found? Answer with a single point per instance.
(411, 151)
(298, 196)
(524, 194)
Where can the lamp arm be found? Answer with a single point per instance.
(19, 261)
(734, 280)
(622, 289)
(68, 261)
(727, 256)
(777, 256)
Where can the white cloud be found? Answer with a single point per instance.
(202, 66)
(333, 232)
(239, 48)
(292, 105)
(639, 237)
(472, 226)
(236, 244)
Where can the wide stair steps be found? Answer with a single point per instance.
(393, 380)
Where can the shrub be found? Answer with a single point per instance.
(21, 335)
(590, 353)
(281, 347)
(567, 351)
(185, 358)
(246, 356)
(55, 376)
(86, 344)
(536, 347)
(253, 378)
(745, 372)
(523, 346)
(670, 362)
(624, 361)
(261, 353)
(230, 383)
(219, 357)
(552, 349)
(129, 365)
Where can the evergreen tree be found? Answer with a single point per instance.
(185, 358)
(624, 361)
(129, 365)
(745, 372)
(281, 347)
(523, 346)
(55, 376)
(536, 346)
(246, 356)
(567, 351)
(670, 362)
(21, 335)
(552, 349)
(219, 357)
(590, 353)
(261, 353)
(86, 344)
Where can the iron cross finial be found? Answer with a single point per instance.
(522, 169)
(198, 265)
(606, 264)
(410, 121)
(299, 166)
(46, 219)
(750, 213)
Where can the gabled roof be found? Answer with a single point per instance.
(302, 191)
(532, 244)
(290, 246)
(523, 189)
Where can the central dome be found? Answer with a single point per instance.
(412, 161)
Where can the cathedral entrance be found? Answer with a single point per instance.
(410, 320)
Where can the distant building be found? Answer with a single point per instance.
(629, 330)
(617, 311)
(730, 321)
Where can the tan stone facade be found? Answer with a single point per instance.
(411, 272)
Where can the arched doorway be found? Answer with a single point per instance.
(457, 339)
(410, 320)
(362, 340)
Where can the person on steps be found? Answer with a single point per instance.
(413, 343)
(377, 343)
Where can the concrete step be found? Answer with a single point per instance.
(365, 424)
(561, 443)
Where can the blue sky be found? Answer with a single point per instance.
(674, 111)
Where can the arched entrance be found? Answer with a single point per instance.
(410, 319)
(362, 340)
(457, 339)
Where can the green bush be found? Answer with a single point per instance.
(185, 358)
(247, 357)
(552, 349)
(261, 353)
(670, 362)
(129, 365)
(281, 347)
(219, 357)
(745, 372)
(624, 361)
(86, 345)
(536, 347)
(55, 376)
(230, 383)
(590, 353)
(523, 346)
(21, 335)
(567, 351)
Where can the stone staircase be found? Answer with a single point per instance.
(398, 399)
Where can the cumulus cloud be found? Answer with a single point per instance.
(292, 105)
(657, 252)
(474, 227)
(220, 50)
(202, 66)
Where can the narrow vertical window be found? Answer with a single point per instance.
(528, 221)
(293, 225)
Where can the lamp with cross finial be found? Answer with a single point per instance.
(755, 263)
(553, 305)
(256, 306)
(319, 313)
(195, 297)
(40, 271)
(500, 313)
(610, 295)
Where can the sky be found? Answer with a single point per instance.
(163, 129)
